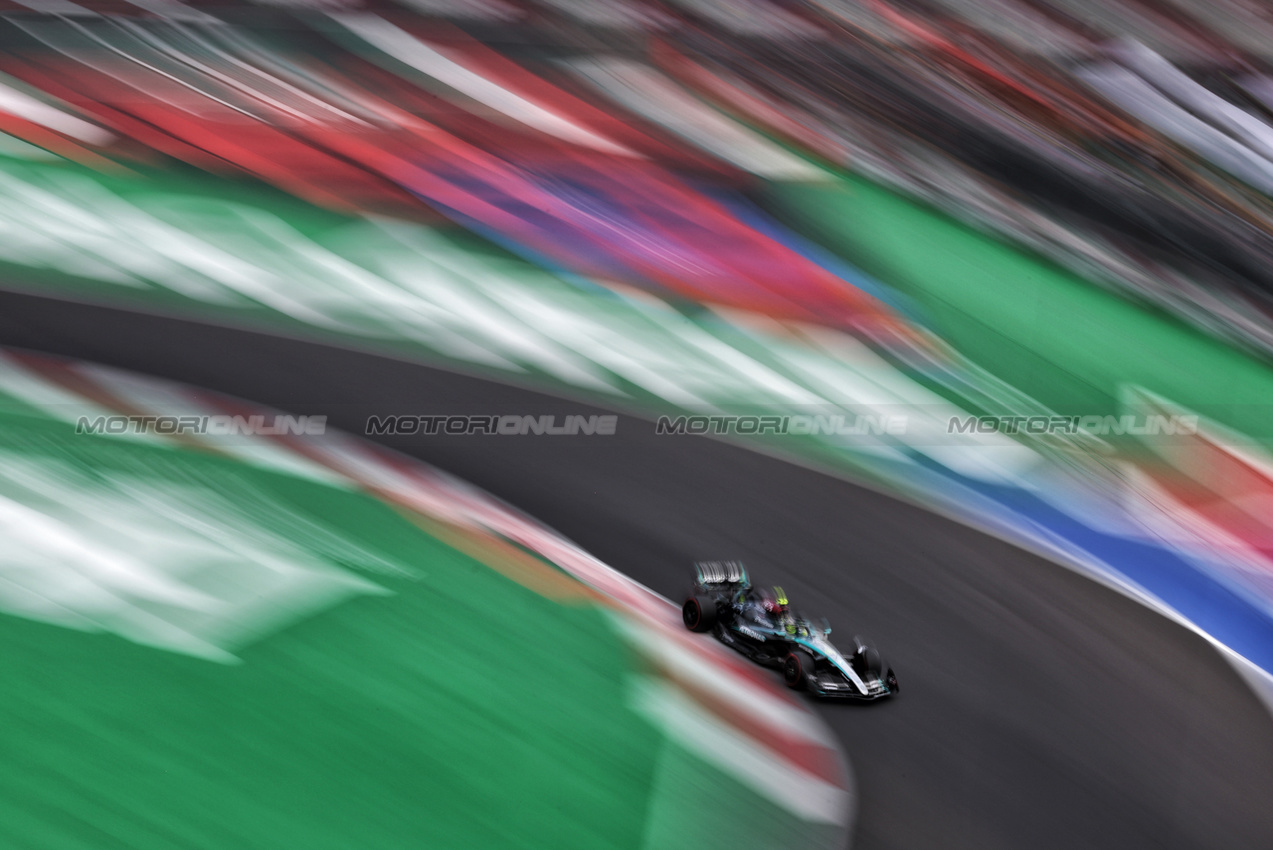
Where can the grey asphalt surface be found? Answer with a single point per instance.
(1038, 709)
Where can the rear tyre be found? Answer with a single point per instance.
(891, 681)
(797, 669)
(698, 613)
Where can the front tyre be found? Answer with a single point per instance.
(797, 669)
(698, 613)
(868, 663)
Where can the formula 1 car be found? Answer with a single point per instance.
(760, 625)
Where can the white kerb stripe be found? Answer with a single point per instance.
(690, 726)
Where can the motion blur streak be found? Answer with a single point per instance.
(180, 551)
(1042, 692)
(879, 211)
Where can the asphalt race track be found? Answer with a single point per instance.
(1038, 709)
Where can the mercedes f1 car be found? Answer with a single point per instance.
(762, 626)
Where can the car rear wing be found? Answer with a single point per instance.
(717, 573)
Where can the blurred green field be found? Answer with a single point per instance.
(199, 652)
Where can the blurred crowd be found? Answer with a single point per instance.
(1132, 142)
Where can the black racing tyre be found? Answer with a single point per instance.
(797, 669)
(868, 662)
(891, 681)
(698, 613)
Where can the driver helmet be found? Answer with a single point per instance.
(775, 601)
